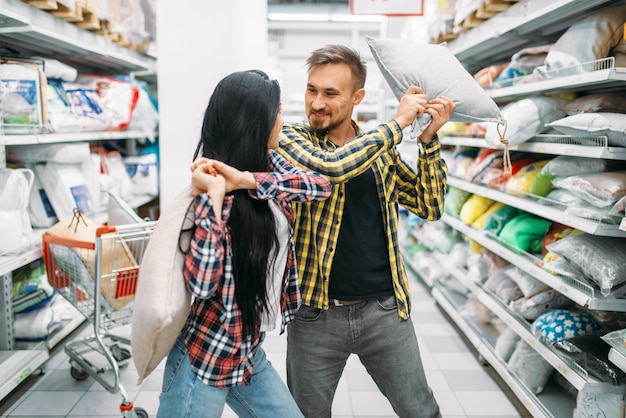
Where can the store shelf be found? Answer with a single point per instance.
(37, 139)
(11, 262)
(554, 213)
(594, 146)
(34, 32)
(563, 404)
(17, 365)
(524, 24)
(592, 76)
(578, 292)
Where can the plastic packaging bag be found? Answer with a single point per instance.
(15, 227)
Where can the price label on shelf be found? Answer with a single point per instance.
(387, 7)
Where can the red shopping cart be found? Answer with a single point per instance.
(99, 278)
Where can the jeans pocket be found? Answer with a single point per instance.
(175, 358)
(388, 303)
(307, 313)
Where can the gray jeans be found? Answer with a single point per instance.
(319, 343)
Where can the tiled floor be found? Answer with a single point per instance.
(463, 387)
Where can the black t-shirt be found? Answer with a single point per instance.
(360, 268)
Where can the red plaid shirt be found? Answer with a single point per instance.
(221, 354)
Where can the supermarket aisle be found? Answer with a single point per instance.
(462, 386)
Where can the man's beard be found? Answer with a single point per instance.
(318, 127)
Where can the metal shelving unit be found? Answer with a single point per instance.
(33, 32)
(554, 213)
(524, 24)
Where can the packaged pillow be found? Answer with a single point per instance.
(556, 232)
(484, 159)
(505, 343)
(455, 198)
(560, 324)
(40, 209)
(599, 189)
(534, 306)
(496, 220)
(479, 223)
(520, 183)
(474, 207)
(67, 188)
(438, 72)
(502, 285)
(525, 232)
(591, 352)
(601, 259)
(555, 264)
(497, 177)
(568, 165)
(611, 125)
(120, 212)
(529, 285)
(589, 39)
(525, 118)
(532, 369)
(590, 404)
(612, 101)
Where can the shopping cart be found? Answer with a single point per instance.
(99, 278)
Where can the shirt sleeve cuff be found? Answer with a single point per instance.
(431, 151)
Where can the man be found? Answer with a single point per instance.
(354, 288)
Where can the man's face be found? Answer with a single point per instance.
(330, 96)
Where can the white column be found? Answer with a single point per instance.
(199, 42)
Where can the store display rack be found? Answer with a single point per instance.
(33, 32)
(524, 24)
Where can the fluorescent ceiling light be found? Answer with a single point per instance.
(300, 17)
(357, 18)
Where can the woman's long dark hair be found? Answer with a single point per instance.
(237, 124)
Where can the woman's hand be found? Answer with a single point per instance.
(234, 179)
(206, 180)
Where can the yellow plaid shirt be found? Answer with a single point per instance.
(317, 223)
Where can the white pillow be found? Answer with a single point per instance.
(119, 212)
(587, 40)
(162, 300)
(438, 72)
(525, 118)
(612, 125)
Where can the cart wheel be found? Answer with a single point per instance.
(78, 374)
(120, 353)
(141, 413)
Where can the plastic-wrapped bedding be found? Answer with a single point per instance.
(601, 259)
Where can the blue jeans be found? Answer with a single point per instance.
(319, 343)
(184, 395)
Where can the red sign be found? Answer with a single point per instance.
(387, 7)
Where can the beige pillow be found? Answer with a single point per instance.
(162, 299)
(438, 72)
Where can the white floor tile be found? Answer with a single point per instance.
(48, 403)
(448, 404)
(456, 361)
(370, 404)
(486, 404)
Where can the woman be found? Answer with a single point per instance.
(240, 267)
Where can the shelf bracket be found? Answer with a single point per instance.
(6, 313)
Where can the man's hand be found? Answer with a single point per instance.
(440, 109)
(412, 104)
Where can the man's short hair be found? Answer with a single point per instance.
(340, 54)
